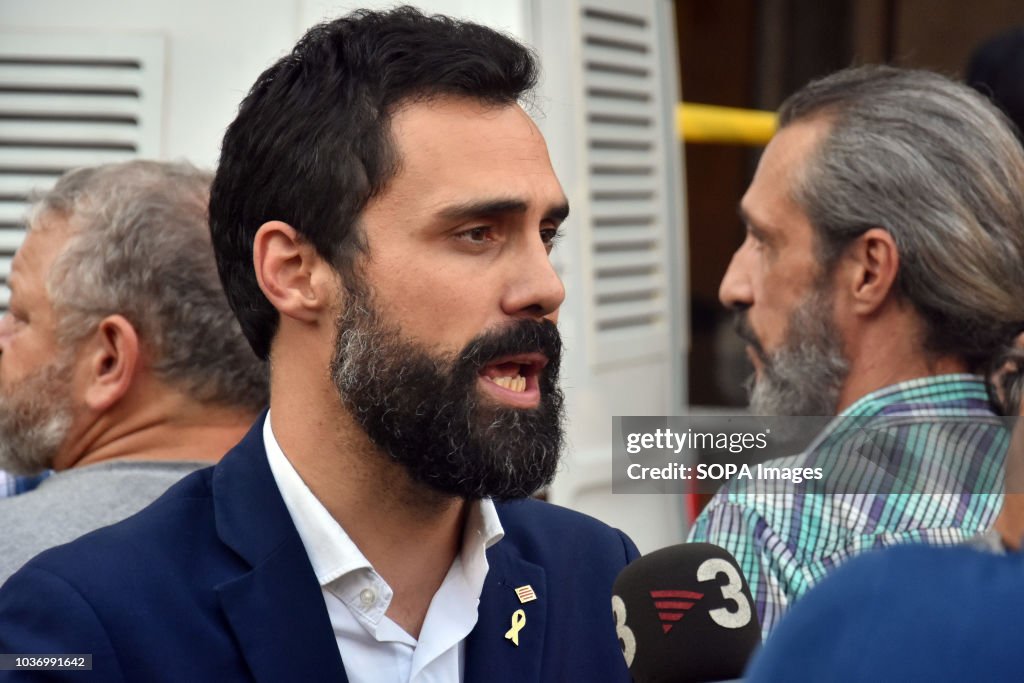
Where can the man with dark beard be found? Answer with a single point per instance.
(879, 281)
(382, 219)
(113, 291)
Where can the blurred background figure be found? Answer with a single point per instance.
(996, 69)
(121, 365)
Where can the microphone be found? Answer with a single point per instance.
(684, 614)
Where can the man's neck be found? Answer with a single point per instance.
(173, 429)
(885, 357)
(409, 534)
(1010, 522)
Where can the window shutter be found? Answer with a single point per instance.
(626, 174)
(67, 101)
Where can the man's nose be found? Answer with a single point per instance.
(537, 291)
(735, 291)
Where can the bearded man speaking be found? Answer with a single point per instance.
(382, 219)
(879, 281)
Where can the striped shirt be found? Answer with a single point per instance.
(11, 485)
(936, 478)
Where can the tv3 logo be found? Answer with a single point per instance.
(707, 571)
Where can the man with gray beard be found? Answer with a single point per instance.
(382, 218)
(879, 281)
(120, 365)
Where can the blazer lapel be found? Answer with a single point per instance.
(276, 609)
(490, 656)
(281, 623)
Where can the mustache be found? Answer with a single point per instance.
(741, 324)
(524, 336)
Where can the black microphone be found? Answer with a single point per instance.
(684, 614)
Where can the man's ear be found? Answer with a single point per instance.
(111, 357)
(871, 264)
(293, 276)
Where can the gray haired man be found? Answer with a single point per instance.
(121, 365)
(879, 281)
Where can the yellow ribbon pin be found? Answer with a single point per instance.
(518, 622)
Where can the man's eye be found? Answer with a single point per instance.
(477, 235)
(551, 236)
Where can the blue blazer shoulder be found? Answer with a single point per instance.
(211, 583)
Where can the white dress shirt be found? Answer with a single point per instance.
(374, 649)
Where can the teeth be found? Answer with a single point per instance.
(517, 383)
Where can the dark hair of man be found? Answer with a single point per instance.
(311, 144)
(938, 166)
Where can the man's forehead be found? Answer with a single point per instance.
(463, 107)
(43, 242)
(772, 193)
(454, 127)
(456, 153)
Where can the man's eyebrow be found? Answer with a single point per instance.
(558, 213)
(491, 207)
(748, 220)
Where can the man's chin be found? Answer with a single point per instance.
(763, 396)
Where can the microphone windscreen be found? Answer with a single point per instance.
(684, 614)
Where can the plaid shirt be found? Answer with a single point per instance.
(11, 485)
(786, 540)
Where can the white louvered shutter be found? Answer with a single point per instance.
(67, 101)
(609, 97)
(626, 174)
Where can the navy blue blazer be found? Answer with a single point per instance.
(211, 583)
(904, 613)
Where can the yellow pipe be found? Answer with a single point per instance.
(724, 125)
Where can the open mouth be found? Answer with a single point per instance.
(514, 379)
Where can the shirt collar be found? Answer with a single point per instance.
(332, 552)
(953, 395)
(483, 529)
(958, 393)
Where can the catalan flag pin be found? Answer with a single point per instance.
(526, 594)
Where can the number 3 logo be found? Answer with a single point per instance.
(733, 590)
(625, 633)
